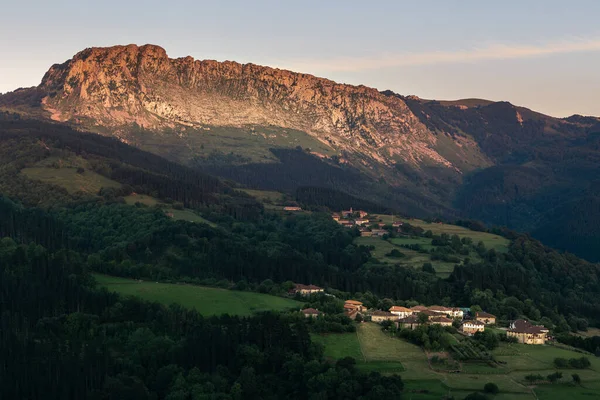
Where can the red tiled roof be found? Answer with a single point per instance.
(482, 314)
(400, 309)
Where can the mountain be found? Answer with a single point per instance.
(277, 129)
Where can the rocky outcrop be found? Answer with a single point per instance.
(123, 85)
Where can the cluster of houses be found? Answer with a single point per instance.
(350, 219)
(413, 317)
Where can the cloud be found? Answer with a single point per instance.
(486, 53)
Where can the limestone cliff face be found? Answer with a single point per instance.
(117, 86)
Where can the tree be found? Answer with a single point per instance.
(422, 318)
(576, 379)
(555, 377)
(561, 363)
(491, 387)
(476, 396)
(428, 267)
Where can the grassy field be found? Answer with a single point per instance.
(68, 178)
(266, 195)
(206, 300)
(413, 258)
(183, 215)
(371, 347)
(489, 240)
(248, 143)
(340, 345)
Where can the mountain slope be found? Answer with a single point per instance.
(492, 161)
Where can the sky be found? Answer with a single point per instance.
(541, 54)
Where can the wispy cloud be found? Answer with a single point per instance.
(485, 53)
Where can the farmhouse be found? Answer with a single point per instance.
(456, 313)
(401, 312)
(527, 333)
(347, 224)
(378, 232)
(365, 232)
(397, 224)
(486, 318)
(311, 312)
(379, 316)
(362, 213)
(418, 309)
(306, 290)
(411, 322)
(473, 326)
(354, 305)
(443, 321)
(291, 208)
(336, 217)
(361, 221)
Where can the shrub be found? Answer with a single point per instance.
(491, 387)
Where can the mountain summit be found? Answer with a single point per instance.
(281, 130)
(118, 86)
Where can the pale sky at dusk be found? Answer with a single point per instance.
(544, 55)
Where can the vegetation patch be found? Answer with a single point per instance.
(206, 300)
(72, 179)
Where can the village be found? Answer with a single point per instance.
(468, 323)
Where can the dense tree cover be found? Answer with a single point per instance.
(320, 197)
(63, 338)
(23, 143)
(530, 280)
(590, 344)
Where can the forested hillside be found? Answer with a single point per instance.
(63, 337)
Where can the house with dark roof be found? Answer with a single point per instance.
(380, 316)
(486, 318)
(411, 322)
(306, 290)
(527, 333)
(443, 321)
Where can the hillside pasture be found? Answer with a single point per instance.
(67, 177)
(206, 300)
(490, 240)
(412, 258)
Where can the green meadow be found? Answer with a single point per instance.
(206, 300)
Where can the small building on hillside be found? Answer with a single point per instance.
(378, 232)
(440, 309)
(306, 290)
(411, 322)
(361, 221)
(311, 312)
(527, 333)
(443, 321)
(366, 232)
(379, 316)
(336, 216)
(292, 208)
(347, 213)
(347, 224)
(350, 312)
(418, 309)
(362, 213)
(397, 224)
(486, 318)
(354, 305)
(401, 312)
(472, 326)
(457, 313)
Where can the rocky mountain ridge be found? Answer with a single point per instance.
(120, 86)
